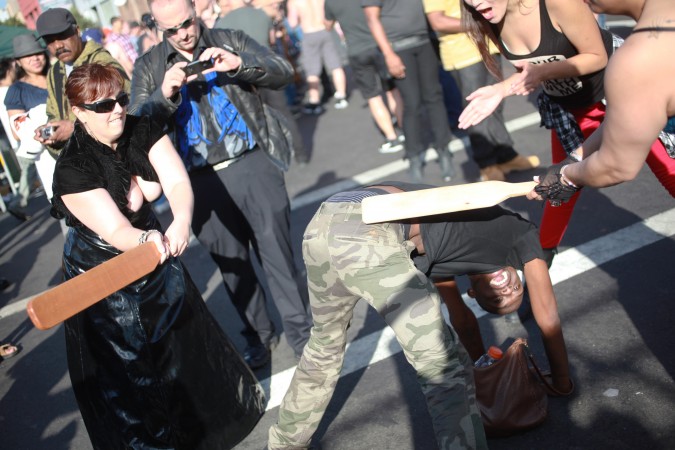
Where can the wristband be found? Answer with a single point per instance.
(144, 236)
(566, 180)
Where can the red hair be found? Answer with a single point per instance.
(89, 82)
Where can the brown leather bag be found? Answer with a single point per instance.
(512, 397)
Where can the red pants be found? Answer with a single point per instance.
(555, 219)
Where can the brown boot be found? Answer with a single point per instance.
(491, 173)
(519, 163)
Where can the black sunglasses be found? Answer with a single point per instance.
(187, 23)
(107, 105)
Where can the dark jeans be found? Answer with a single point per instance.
(421, 88)
(491, 143)
(246, 205)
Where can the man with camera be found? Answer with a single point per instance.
(58, 28)
(222, 131)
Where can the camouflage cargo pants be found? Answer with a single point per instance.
(348, 260)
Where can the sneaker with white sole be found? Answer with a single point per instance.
(340, 102)
(391, 146)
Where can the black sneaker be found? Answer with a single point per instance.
(18, 214)
(447, 166)
(312, 109)
(415, 169)
(256, 356)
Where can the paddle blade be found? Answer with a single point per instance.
(441, 200)
(67, 299)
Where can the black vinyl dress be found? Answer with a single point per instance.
(150, 367)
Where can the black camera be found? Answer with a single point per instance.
(196, 67)
(46, 132)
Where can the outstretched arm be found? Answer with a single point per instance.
(484, 101)
(637, 89)
(545, 310)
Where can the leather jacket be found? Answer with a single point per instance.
(260, 67)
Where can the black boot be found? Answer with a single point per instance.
(447, 165)
(416, 168)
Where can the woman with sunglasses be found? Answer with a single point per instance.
(149, 365)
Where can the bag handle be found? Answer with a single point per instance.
(547, 385)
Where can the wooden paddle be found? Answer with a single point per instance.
(441, 200)
(67, 299)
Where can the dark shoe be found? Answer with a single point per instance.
(256, 356)
(18, 214)
(312, 109)
(415, 169)
(447, 166)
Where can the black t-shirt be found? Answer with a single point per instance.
(476, 241)
(86, 164)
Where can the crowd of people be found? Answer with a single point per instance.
(111, 120)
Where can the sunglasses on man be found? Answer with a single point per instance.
(187, 23)
(107, 105)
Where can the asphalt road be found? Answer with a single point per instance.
(614, 283)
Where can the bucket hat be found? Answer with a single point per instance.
(25, 45)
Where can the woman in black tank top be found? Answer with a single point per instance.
(556, 45)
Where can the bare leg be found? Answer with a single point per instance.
(340, 82)
(382, 117)
(313, 96)
(395, 103)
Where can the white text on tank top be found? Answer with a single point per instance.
(559, 87)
